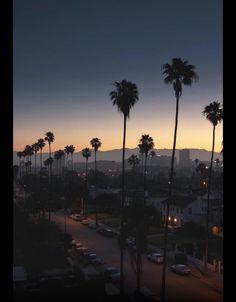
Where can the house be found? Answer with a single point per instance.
(185, 208)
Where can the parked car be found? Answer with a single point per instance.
(155, 257)
(92, 225)
(85, 222)
(83, 251)
(180, 269)
(111, 273)
(108, 233)
(78, 245)
(94, 259)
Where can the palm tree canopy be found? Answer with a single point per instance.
(213, 112)
(124, 96)
(146, 143)
(95, 143)
(152, 153)
(19, 154)
(71, 149)
(179, 72)
(49, 137)
(86, 152)
(67, 149)
(28, 150)
(35, 147)
(41, 143)
(133, 160)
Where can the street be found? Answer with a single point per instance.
(178, 288)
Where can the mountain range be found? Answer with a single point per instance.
(116, 155)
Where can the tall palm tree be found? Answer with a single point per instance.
(152, 154)
(214, 113)
(133, 160)
(125, 96)
(71, 150)
(57, 157)
(96, 144)
(41, 144)
(86, 153)
(178, 73)
(61, 155)
(28, 151)
(145, 144)
(50, 139)
(67, 152)
(20, 154)
(35, 148)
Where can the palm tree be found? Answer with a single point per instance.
(196, 160)
(145, 144)
(71, 150)
(57, 157)
(35, 148)
(178, 73)
(41, 144)
(96, 144)
(124, 97)
(133, 160)
(61, 155)
(86, 153)
(152, 154)
(20, 154)
(67, 152)
(28, 151)
(214, 113)
(50, 139)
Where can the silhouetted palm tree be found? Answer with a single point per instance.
(41, 144)
(20, 154)
(145, 144)
(214, 113)
(96, 144)
(61, 155)
(28, 151)
(124, 97)
(35, 148)
(133, 160)
(86, 153)
(178, 73)
(50, 139)
(71, 151)
(196, 160)
(67, 152)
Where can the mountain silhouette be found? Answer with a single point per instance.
(116, 155)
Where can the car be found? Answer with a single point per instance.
(108, 233)
(85, 222)
(92, 225)
(100, 229)
(94, 259)
(83, 251)
(180, 269)
(78, 245)
(112, 274)
(155, 257)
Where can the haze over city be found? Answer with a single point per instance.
(67, 55)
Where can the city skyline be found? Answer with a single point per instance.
(67, 55)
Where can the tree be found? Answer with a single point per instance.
(96, 144)
(28, 151)
(50, 139)
(213, 113)
(20, 154)
(196, 160)
(41, 144)
(86, 153)
(178, 73)
(35, 148)
(125, 96)
(67, 152)
(145, 144)
(71, 150)
(133, 160)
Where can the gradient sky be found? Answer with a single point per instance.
(67, 54)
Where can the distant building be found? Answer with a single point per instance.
(162, 161)
(184, 158)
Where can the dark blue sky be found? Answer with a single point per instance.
(67, 54)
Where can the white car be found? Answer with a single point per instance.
(155, 257)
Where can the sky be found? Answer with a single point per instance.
(68, 53)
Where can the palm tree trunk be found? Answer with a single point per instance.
(122, 214)
(35, 162)
(144, 179)
(72, 161)
(208, 203)
(41, 162)
(169, 201)
(50, 165)
(95, 166)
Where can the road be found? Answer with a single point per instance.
(178, 288)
